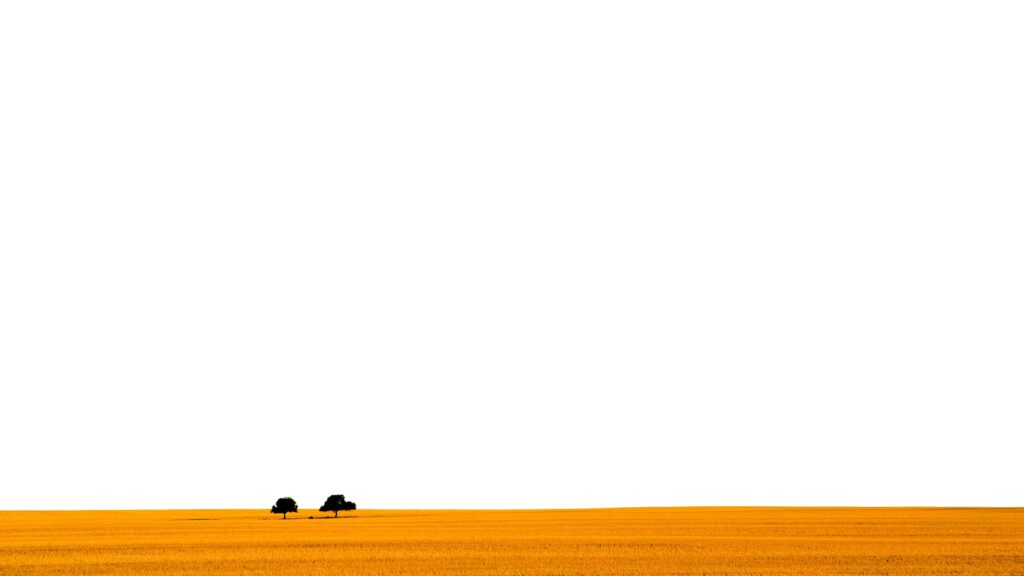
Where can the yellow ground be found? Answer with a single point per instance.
(764, 541)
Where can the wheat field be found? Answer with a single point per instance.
(629, 541)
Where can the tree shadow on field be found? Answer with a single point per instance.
(330, 517)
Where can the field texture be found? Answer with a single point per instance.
(766, 541)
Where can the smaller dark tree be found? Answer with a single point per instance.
(284, 506)
(336, 503)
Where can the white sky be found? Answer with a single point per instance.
(511, 254)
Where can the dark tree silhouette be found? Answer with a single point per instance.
(336, 503)
(284, 506)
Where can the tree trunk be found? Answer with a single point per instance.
(335, 513)
(285, 516)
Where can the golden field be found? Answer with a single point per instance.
(749, 541)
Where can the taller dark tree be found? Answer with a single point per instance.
(284, 506)
(336, 503)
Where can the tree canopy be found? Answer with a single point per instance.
(284, 506)
(336, 503)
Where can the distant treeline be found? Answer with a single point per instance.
(334, 503)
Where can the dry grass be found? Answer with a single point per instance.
(749, 541)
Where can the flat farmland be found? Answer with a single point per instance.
(627, 541)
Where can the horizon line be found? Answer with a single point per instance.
(581, 508)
